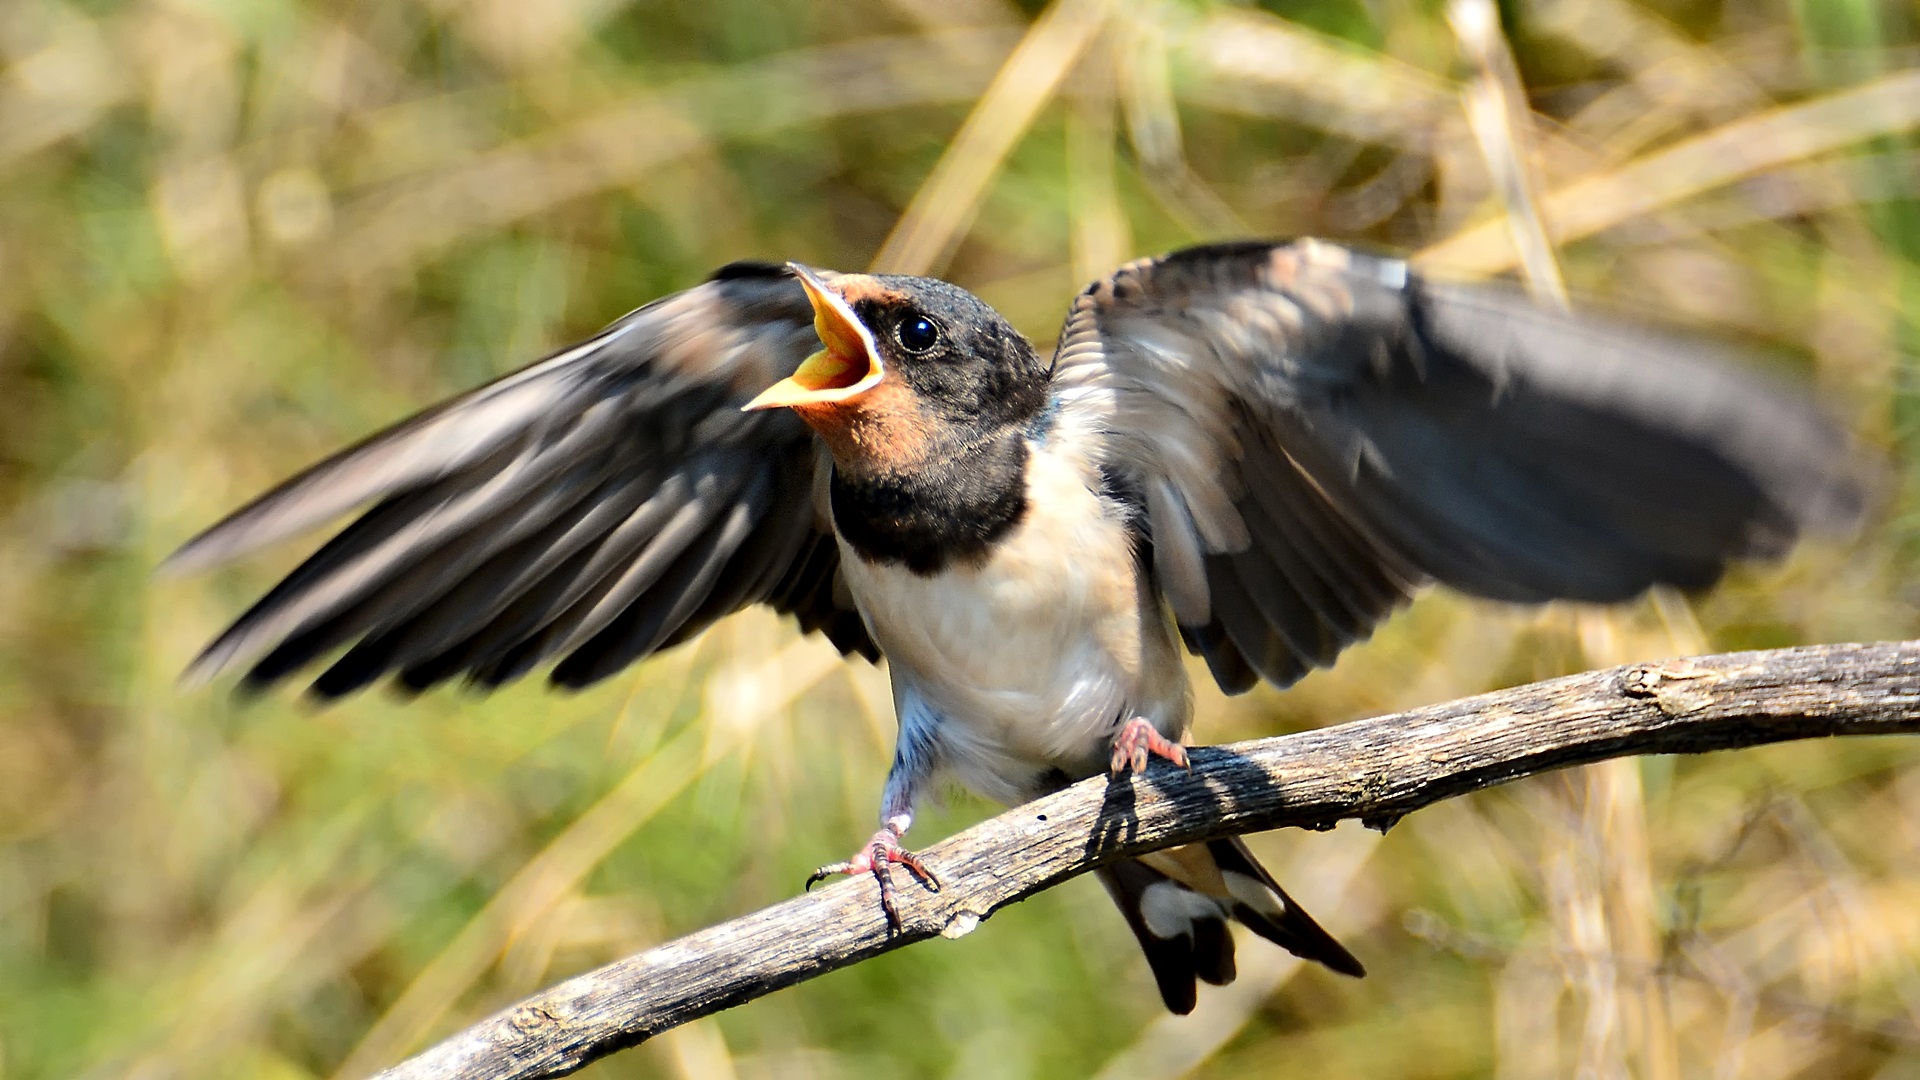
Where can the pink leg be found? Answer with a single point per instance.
(878, 858)
(1139, 739)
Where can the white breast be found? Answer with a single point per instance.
(1036, 656)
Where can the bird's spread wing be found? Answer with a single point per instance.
(1313, 433)
(603, 503)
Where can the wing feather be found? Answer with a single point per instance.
(586, 510)
(1325, 432)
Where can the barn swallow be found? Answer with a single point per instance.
(1252, 452)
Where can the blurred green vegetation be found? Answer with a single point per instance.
(235, 234)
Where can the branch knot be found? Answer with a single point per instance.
(1676, 687)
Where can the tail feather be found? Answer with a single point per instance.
(1178, 902)
(1267, 910)
(1183, 933)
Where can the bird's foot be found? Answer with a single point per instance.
(878, 858)
(1137, 741)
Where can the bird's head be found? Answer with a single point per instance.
(911, 368)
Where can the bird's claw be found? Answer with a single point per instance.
(879, 857)
(1138, 741)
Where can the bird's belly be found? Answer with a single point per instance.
(1033, 657)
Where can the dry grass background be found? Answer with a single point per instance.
(236, 233)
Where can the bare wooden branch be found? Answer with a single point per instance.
(1376, 770)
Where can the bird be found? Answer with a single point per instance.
(1252, 452)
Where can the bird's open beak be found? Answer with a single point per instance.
(849, 365)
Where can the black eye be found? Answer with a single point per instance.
(917, 333)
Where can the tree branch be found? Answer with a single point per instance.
(1377, 770)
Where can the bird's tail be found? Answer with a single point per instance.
(1178, 903)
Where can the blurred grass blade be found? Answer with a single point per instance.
(557, 870)
(1671, 79)
(1254, 62)
(931, 227)
(1497, 111)
(391, 232)
(62, 89)
(1734, 151)
(1100, 238)
(1843, 42)
(1153, 128)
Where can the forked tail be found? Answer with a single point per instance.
(1178, 903)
